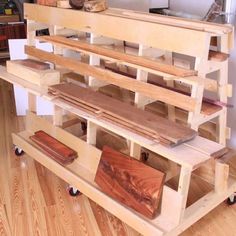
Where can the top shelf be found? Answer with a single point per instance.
(160, 32)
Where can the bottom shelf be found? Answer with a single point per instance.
(81, 173)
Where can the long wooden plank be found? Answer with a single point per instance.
(130, 181)
(120, 56)
(151, 34)
(162, 127)
(152, 91)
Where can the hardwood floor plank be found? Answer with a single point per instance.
(4, 222)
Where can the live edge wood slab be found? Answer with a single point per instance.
(130, 182)
(123, 114)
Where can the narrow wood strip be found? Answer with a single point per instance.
(149, 90)
(123, 57)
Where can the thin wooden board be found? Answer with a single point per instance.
(162, 127)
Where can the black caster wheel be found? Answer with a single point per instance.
(18, 151)
(144, 156)
(231, 200)
(74, 192)
(84, 126)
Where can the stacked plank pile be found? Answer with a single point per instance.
(127, 116)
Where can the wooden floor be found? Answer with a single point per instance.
(33, 201)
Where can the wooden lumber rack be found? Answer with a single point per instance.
(198, 158)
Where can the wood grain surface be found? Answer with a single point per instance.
(54, 148)
(130, 181)
(161, 127)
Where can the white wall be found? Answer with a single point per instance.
(196, 7)
(138, 5)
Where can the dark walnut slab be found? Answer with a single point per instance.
(130, 182)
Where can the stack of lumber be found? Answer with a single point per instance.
(125, 115)
(54, 148)
(129, 181)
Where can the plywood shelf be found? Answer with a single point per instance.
(81, 174)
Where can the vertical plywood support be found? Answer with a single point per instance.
(222, 96)
(196, 93)
(54, 31)
(221, 177)
(31, 33)
(32, 102)
(135, 150)
(91, 133)
(95, 60)
(170, 109)
(58, 116)
(183, 188)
